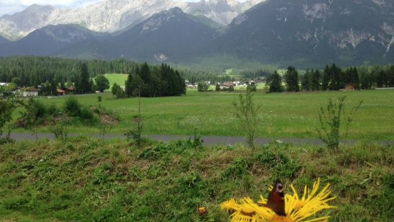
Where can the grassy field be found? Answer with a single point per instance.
(88, 180)
(284, 115)
(116, 78)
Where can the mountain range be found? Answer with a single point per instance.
(115, 15)
(282, 32)
(3, 40)
(351, 32)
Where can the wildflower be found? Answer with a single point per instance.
(202, 211)
(296, 209)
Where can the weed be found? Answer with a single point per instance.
(330, 120)
(247, 114)
(237, 169)
(60, 130)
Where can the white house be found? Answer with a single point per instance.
(29, 92)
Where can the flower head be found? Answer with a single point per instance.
(202, 211)
(297, 209)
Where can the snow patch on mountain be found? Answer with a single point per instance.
(317, 11)
(354, 38)
(389, 30)
(379, 2)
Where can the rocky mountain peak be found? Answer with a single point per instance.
(115, 15)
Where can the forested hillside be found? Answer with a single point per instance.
(35, 70)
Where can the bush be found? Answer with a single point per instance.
(60, 130)
(331, 118)
(53, 110)
(86, 114)
(40, 109)
(102, 83)
(202, 87)
(115, 88)
(72, 107)
(247, 114)
(251, 88)
(33, 116)
(217, 88)
(120, 94)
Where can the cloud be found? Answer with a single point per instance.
(70, 3)
(10, 7)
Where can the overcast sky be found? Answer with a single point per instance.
(12, 6)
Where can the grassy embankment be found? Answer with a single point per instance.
(90, 180)
(212, 113)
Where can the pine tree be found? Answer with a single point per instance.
(354, 78)
(275, 83)
(146, 87)
(62, 85)
(78, 84)
(326, 78)
(85, 83)
(315, 80)
(391, 76)
(335, 77)
(53, 88)
(128, 85)
(291, 79)
(306, 81)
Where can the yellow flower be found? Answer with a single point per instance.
(297, 209)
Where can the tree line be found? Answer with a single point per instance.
(154, 82)
(86, 76)
(33, 71)
(332, 78)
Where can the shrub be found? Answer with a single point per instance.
(34, 115)
(280, 165)
(237, 169)
(247, 113)
(120, 93)
(202, 87)
(114, 89)
(217, 88)
(72, 107)
(251, 88)
(53, 110)
(102, 83)
(60, 130)
(331, 119)
(7, 106)
(86, 114)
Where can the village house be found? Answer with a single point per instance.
(29, 92)
(61, 92)
(349, 87)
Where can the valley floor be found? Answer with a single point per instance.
(283, 115)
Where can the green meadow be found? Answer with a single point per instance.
(283, 115)
(116, 78)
